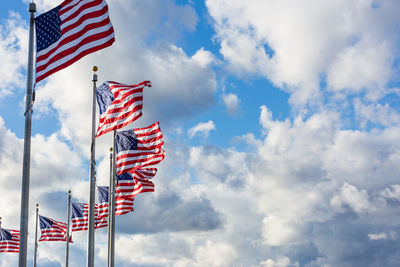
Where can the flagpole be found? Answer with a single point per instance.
(111, 210)
(36, 243)
(23, 241)
(68, 219)
(90, 251)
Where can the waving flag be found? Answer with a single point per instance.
(70, 31)
(133, 184)
(123, 204)
(119, 104)
(80, 217)
(138, 148)
(9, 240)
(102, 206)
(52, 230)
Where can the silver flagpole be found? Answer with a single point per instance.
(23, 241)
(111, 210)
(36, 242)
(68, 219)
(90, 251)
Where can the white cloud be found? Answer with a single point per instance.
(354, 198)
(377, 236)
(376, 113)
(392, 193)
(281, 262)
(204, 58)
(203, 128)
(296, 44)
(231, 102)
(13, 52)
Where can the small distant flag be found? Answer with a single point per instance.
(139, 148)
(133, 184)
(9, 240)
(69, 32)
(119, 104)
(123, 204)
(52, 230)
(102, 205)
(80, 217)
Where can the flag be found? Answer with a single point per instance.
(9, 240)
(119, 105)
(123, 204)
(69, 32)
(102, 206)
(133, 184)
(52, 230)
(138, 148)
(80, 218)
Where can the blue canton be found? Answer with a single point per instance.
(77, 210)
(5, 235)
(125, 176)
(45, 222)
(103, 193)
(104, 97)
(126, 140)
(48, 28)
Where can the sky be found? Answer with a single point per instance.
(281, 122)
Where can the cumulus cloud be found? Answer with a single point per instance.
(13, 51)
(203, 128)
(296, 45)
(306, 177)
(231, 102)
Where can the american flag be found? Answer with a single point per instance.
(139, 148)
(133, 184)
(52, 230)
(123, 203)
(119, 104)
(9, 240)
(102, 206)
(69, 32)
(80, 218)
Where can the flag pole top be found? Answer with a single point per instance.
(32, 7)
(94, 74)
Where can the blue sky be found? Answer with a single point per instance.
(281, 121)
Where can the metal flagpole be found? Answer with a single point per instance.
(23, 241)
(90, 251)
(68, 220)
(111, 209)
(36, 242)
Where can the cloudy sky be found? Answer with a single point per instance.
(282, 129)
